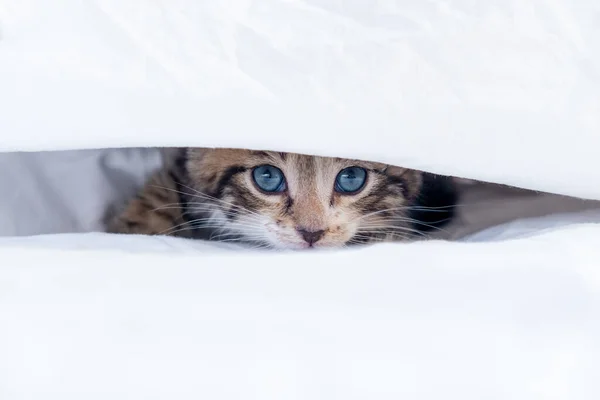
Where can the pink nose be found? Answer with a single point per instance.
(311, 236)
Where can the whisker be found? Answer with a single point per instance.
(426, 208)
(365, 240)
(387, 237)
(409, 220)
(391, 209)
(188, 226)
(202, 195)
(385, 230)
(208, 222)
(168, 231)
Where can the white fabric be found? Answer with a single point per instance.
(498, 90)
(68, 191)
(511, 320)
(504, 91)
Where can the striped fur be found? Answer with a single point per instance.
(210, 194)
(155, 210)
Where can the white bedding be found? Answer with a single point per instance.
(505, 320)
(513, 84)
(502, 91)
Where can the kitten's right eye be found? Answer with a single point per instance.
(269, 179)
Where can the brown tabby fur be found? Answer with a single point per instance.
(210, 194)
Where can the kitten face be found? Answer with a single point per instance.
(293, 201)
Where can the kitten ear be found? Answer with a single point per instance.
(411, 180)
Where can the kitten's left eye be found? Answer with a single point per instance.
(350, 180)
(269, 178)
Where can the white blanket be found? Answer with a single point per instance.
(500, 90)
(503, 91)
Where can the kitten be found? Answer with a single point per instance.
(286, 200)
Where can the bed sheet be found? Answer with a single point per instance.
(516, 319)
(500, 91)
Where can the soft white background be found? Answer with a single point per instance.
(500, 90)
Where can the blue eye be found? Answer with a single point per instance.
(350, 180)
(269, 178)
